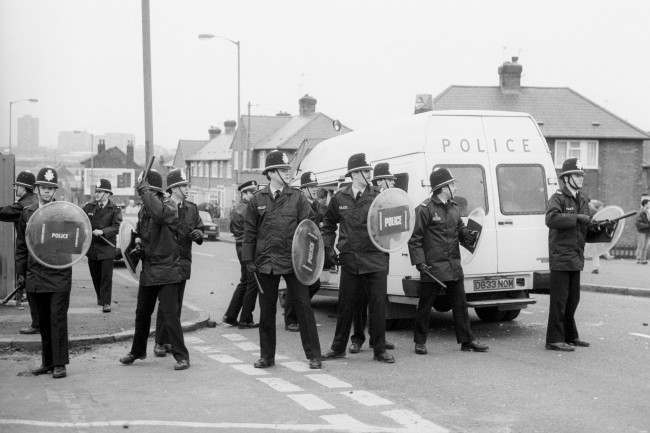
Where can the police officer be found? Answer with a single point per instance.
(105, 219)
(383, 179)
(24, 191)
(364, 268)
(189, 229)
(49, 287)
(272, 216)
(434, 248)
(308, 186)
(244, 297)
(568, 220)
(161, 277)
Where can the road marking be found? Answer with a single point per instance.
(298, 366)
(366, 398)
(206, 349)
(413, 421)
(280, 385)
(636, 334)
(202, 254)
(249, 370)
(193, 340)
(247, 345)
(310, 401)
(328, 381)
(225, 359)
(281, 357)
(344, 421)
(234, 337)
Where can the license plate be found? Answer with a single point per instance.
(494, 284)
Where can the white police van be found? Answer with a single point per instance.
(501, 162)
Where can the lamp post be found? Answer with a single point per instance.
(11, 103)
(205, 36)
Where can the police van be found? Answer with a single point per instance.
(501, 163)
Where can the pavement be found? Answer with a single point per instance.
(87, 324)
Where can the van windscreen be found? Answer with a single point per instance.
(470, 187)
(522, 189)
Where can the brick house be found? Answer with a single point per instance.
(614, 152)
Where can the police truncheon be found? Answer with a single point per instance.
(307, 252)
(474, 224)
(58, 234)
(391, 220)
(126, 243)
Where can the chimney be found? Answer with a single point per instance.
(307, 105)
(510, 76)
(129, 154)
(229, 126)
(213, 132)
(101, 147)
(282, 114)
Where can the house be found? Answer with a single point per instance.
(613, 151)
(186, 148)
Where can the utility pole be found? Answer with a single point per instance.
(146, 78)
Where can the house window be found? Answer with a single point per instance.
(194, 170)
(585, 150)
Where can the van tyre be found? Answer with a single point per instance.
(493, 314)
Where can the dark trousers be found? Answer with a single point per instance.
(359, 320)
(290, 312)
(244, 296)
(298, 295)
(564, 299)
(161, 338)
(428, 293)
(352, 288)
(53, 324)
(167, 295)
(33, 309)
(101, 271)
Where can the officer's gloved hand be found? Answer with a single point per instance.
(196, 234)
(20, 282)
(583, 219)
(142, 187)
(423, 268)
(250, 267)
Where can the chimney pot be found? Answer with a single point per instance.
(510, 76)
(129, 154)
(229, 127)
(213, 132)
(307, 105)
(101, 147)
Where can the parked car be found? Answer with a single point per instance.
(210, 228)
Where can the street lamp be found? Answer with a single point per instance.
(206, 36)
(11, 103)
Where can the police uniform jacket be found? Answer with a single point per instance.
(269, 226)
(108, 220)
(642, 223)
(188, 220)
(157, 229)
(237, 215)
(566, 236)
(356, 251)
(12, 214)
(39, 278)
(438, 232)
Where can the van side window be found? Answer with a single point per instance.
(470, 182)
(522, 189)
(402, 181)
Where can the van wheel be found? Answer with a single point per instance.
(492, 314)
(510, 315)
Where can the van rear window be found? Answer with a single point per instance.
(470, 187)
(522, 189)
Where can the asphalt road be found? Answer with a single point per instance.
(516, 387)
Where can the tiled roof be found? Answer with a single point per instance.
(561, 111)
(217, 149)
(261, 128)
(186, 148)
(112, 157)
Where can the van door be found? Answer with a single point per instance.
(520, 162)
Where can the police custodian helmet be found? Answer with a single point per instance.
(175, 178)
(357, 162)
(308, 179)
(571, 166)
(154, 179)
(25, 178)
(276, 159)
(382, 172)
(47, 176)
(104, 185)
(440, 177)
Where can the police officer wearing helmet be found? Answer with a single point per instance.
(272, 216)
(382, 177)
(49, 287)
(568, 220)
(189, 229)
(243, 298)
(364, 268)
(24, 191)
(162, 276)
(105, 219)
(434, 248)
(308, 186)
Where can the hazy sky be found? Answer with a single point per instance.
(363, 60)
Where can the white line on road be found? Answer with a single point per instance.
(280, 385)
(413, 421)
(225, 359)
(202, 254)
(328, 381)
(247, 345)
(310, 401)
(345, 421)
(249, 370)
(298, 366)
(636, 334)
(366, 398)
(234, 337)
(193, 340)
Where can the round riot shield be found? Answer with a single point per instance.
(391, 219)
(307, 252)
(58, 234)
(475, 226)
(126, 244)
(604, 242)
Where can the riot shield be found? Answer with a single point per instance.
(58, 234)
(307, 252)
(391, 219)
(126, 243)
(474, 225)
(602, 242)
